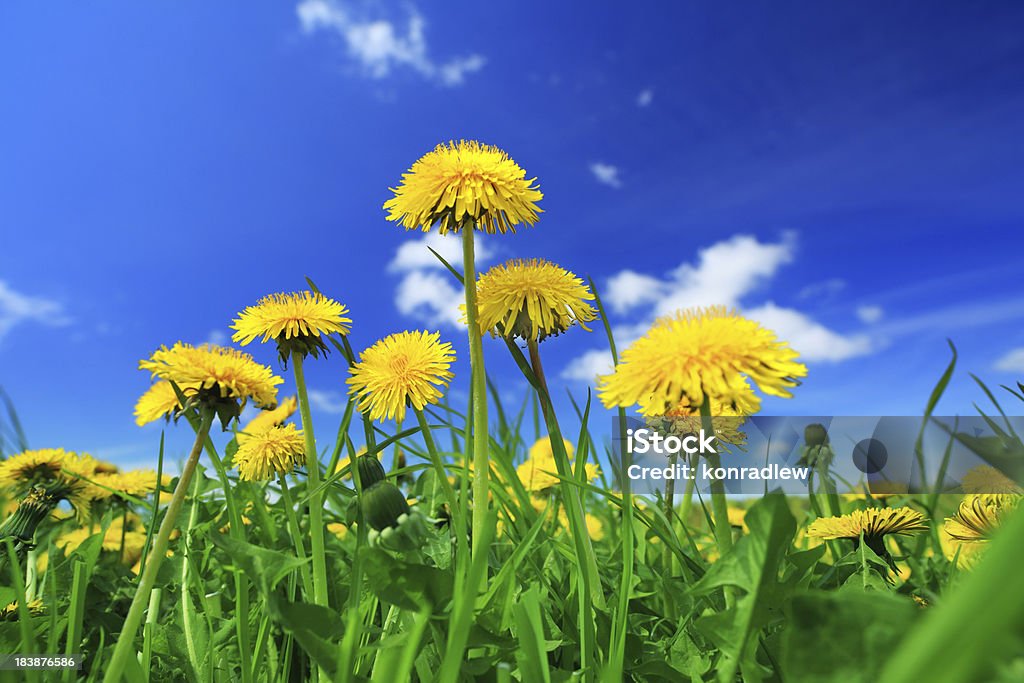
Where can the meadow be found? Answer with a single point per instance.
(502, 541)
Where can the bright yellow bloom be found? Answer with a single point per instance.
(268, 419)
(539, 472)
(966, 534)
(30, 467)
(987, 479)
(339, 529)
(874, 523)
(296, 321)
(225, 372)
(464, 180)
(701, 352)
(276, 450)
(531, 300)
(136, 483)
(134, 539)
(158, 401)
(400, 369)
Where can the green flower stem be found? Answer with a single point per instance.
(481, 466)
(719, 505)
(446, 486)
(293, 529)
(316, 498)
(126, 640)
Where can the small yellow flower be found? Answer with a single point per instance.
(215, 372)
(531, 300)
(277, 450)
(701, 352)
(267, 419)
(873, 523)
(159, 401)
(464, 180)
(987, 479)
(339, 529)
(539, 472)
(10, 611)
(401, 369)
(136, 483)
(296, 321)
(134, 539)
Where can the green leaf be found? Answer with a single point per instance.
(753, 567)
(531, 654)
(317, 629)
(409, 586)
(842, 636)
(266, 567)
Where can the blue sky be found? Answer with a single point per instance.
(850, 175)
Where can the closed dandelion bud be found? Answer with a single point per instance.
(383, 503)
(33, 509)
(815, 435)
(370, 471)
(393, 524)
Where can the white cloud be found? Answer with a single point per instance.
(1012, 361)
(430, 296)
(726, 273)
(379, 46)
(587, 367)
(645, 97)
(327, 401)
(870, 314)
(427, 290)
(813, 341)
(17, 308)
(415, 254)
(606, 174)
(217, 337)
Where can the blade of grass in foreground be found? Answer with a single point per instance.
(620, 623)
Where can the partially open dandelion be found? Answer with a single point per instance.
(873, 524)
(159, 401)
(298, 322)
(220, 377)
(407, 368)
(263, 455)
(461, 180)
(701, 352)
(532, 299)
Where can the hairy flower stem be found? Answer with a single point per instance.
(316, 497)
(126, 640)
(293, 529)
(481, 465)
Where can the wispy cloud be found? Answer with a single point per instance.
(426, 290)
(1011, 361)
(645, 98)
(727, 273)
(327, 401)
(17, 308)
(379, 45)
(606, 174)
(870, 314)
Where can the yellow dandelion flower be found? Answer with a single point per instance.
(701, 352)
(215, 372)
(461, 181)
(988, 479)
(738, 517)
(339, 529)
(297, 322)
(873, 523)
(159, 401)
(132, 537)
(10, 611)
(966, 534)
(531, 299)
(539, 473)
(276, 450)
(541, 449)
(401, 369)
(32, 467)
(726, 420)
(268, 419)
(136, 483)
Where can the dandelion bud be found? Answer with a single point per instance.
(815, 435)
(383, 503)
(370, 471)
